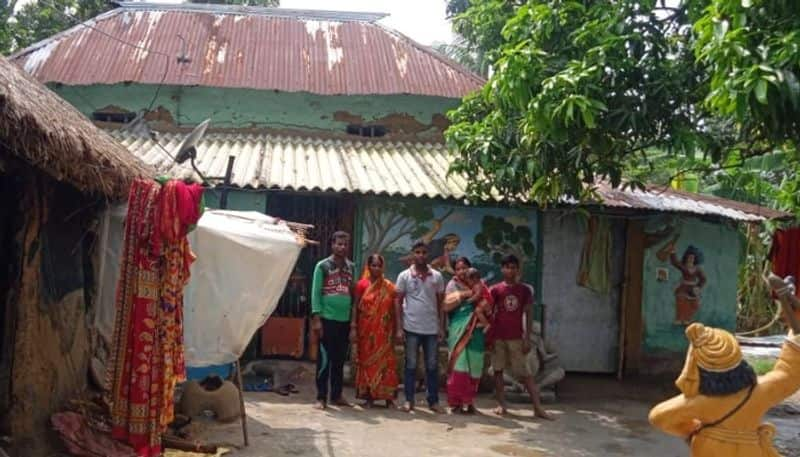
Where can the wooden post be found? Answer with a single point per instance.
(241, 401)
(631, 319)
(223, 204)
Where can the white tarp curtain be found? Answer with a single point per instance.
(112, 232)
(244, 260)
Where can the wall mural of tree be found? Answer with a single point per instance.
(482, 234)
(389, 222)
(499, 237)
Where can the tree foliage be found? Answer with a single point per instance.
(41, 19)
(6, 34)
(589, 90)
(462, 52)
(750, 50)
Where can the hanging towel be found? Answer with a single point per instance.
(595, 267)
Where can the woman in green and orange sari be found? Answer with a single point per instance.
(371, 332)
(465, 340)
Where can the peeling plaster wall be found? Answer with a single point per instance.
(407, 116)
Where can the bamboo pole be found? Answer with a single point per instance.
(241, 402)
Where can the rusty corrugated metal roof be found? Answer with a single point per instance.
(382, 168)
(321, 52)
(664, 198)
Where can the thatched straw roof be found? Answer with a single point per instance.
(39, 127)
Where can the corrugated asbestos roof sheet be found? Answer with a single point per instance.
(277, 162)
(382, 168)
(320, 52)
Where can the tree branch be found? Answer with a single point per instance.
(406, 229)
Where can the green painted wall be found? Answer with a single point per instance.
(246, 108)
(719, 243)
(238, 200)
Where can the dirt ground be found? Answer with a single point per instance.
(597, 416)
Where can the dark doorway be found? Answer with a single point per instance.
(327, 214)
(285, 334)
(10, 224)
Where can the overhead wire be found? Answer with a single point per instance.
(180, 58)
(78, 22)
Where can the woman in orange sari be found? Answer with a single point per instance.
(371, 332)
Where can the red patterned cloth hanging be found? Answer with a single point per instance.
(147, 359)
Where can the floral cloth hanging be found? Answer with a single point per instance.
(147, 358)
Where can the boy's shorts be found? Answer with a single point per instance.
(508, 355)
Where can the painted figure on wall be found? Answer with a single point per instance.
(693, 279)
(441, 251)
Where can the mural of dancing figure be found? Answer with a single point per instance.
(440, 250)
(693, 279)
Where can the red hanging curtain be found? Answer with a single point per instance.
(147, 359)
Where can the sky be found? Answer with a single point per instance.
(422, 20)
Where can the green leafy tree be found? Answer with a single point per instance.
(588, 90)
(499, 237)
(479, 25)
(462, 53)
(579, 88)
(750, 50)
(41, 19)
(6, 32)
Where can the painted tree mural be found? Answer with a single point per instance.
(481, 234)
(499, 237)
(389, 222)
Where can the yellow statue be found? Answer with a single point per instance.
(722, 401)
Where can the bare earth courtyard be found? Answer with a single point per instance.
(596, 417)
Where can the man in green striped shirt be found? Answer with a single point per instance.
(331, 302)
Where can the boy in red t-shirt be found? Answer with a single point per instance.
(513, 310)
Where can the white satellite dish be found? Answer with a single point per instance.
(187, 149)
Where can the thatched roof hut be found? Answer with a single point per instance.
(39, 127)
